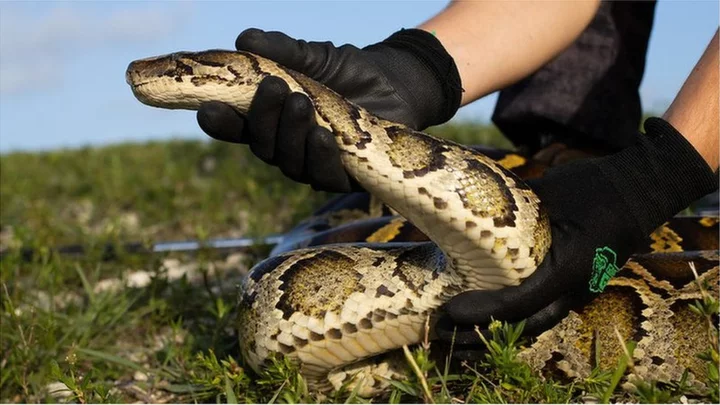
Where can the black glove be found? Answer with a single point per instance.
(601, 211)
(408, 78)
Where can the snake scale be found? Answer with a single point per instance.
(335, 309)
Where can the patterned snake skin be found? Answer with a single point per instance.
(334, 308)
(648, 300)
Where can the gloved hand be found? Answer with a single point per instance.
(600, 211)
(407, 78)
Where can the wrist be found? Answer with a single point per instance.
(694, 112)
(426, 73)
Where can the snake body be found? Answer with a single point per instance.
(648, 301)
(334, 308)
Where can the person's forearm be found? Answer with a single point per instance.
(496, 43)
(694, 112)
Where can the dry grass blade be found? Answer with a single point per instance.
(421, 377)
(623, 363)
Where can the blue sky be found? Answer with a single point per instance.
(62, 64)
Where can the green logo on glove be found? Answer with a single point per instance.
(604, 268)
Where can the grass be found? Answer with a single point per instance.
(161, 328)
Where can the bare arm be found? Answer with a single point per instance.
(694, 112)
(496, 43)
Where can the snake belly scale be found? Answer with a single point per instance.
(329, 308)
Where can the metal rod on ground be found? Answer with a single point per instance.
(110, 251)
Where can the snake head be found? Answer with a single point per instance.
(184, 80)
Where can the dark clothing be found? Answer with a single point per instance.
(588, 95)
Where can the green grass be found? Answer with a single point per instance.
(72, 331)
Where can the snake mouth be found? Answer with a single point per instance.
(143, 71)
(138, 88)
(139, 84)
(132, 76)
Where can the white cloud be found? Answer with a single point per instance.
(34, 46)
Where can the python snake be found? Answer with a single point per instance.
(334, 308)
